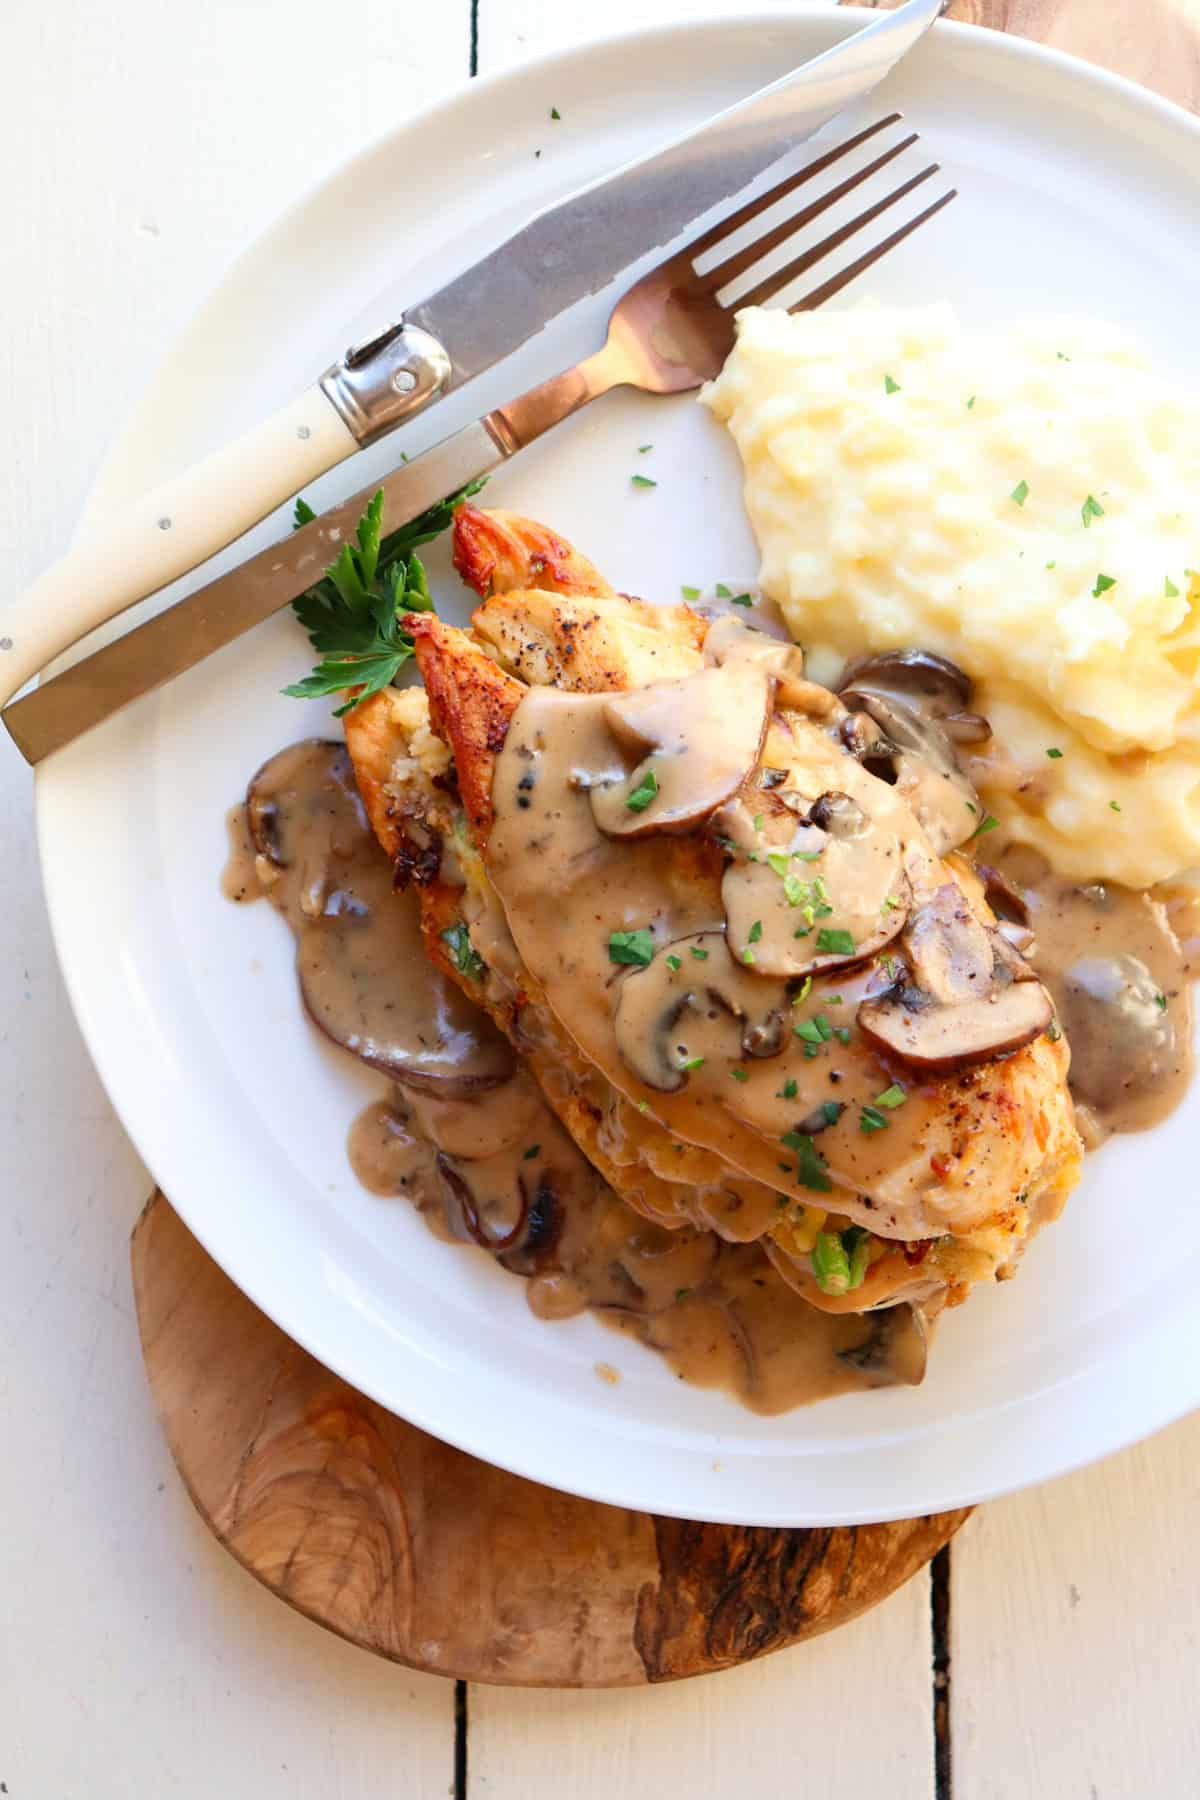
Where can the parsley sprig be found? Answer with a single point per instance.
(352, 615)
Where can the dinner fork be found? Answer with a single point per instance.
(669, 333)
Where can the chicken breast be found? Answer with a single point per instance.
(799, 1116)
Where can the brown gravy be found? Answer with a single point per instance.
(470, 1141)
(303, 839)
(1117, 965)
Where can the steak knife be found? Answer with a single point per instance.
(564, 254)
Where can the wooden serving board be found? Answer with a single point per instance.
(425, 1555)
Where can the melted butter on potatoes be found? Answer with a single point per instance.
(1022, 502)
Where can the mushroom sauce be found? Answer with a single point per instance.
(470, 1141)
(466, 1134)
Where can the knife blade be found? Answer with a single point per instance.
(575, 248)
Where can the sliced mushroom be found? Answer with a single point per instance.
(821, 891)
(926, 771)
(949, 951)
(706, 1008)
(732, 640)
(895, 1348)
(697, 738)
(943, 1038)
(935, 685)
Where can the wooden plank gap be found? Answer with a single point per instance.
(939, 1612)
(460, 1740)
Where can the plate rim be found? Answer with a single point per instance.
(831, 26)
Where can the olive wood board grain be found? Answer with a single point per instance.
(421, 1553)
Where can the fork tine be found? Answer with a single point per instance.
(836, 283)
(745, 259)
(753, 208)
(772, 284)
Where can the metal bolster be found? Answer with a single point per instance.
(380, 383)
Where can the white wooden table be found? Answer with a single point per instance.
(143, 147)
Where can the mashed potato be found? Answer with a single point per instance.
(1026, 503)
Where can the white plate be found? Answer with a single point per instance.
(1078, 193)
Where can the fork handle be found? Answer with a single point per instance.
(144, 545)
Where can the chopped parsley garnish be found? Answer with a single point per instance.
(1020, 493)
(682, 1293)
(788, 1091)
(643, 793)
(1160, 1000)
(700, 955)
(554, 113)
(1115, 806)
(644, 448)
(1091, 509)
(891, 904)
(833, 1110)
(1103, 583)
(971, 404)
(987, 823)
(1054, 753)
(871, 1119)
(835, 943)
(755, 932)
(842, 1033)
(1170, 591)
(758, 821)
(891, 1097)
(674, 963)
(1062, 356)
(690, 593)
(642, 481)
(814, 1031)
(693, 1062)
(740, 600)
(533, 1150)
(631, 947)
(723, 592)
(739, 1074)
(890, 386)
(747, 955)
(353, 613)
(1052, 565)
(810, 1164)
(463, 953)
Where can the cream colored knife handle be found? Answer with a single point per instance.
(141, 547)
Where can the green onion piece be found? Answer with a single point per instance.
(631, 947)
(643, 793)
(830, 1264)
(463, 953)
(857, 1243)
